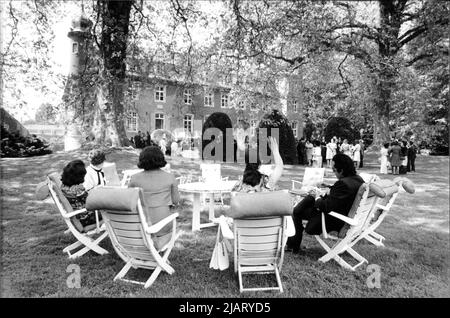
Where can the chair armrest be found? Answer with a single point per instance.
(225, 229)
(343, 218)
(76, 212)
(155, 228)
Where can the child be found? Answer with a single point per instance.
(94, 173)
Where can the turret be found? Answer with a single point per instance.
(80, 34)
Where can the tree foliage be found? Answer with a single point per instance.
(287, 142)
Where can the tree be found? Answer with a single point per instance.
(222, 122)
(382, 45)
(341, 127)
(46, 114)
(287, 143)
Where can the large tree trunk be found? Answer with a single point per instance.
(109, 119)
(387, 69)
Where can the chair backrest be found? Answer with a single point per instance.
(111, 175)
(313, 176)
(210, 172)
(363, 205)
(392, 189)
(259, 225)
(266, 169)
(127, 176)
(123, 213)
(61, 202)
(258, 241)
(367, 177)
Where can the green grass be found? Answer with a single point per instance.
(414, 263)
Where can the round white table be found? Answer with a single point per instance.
(208, 188)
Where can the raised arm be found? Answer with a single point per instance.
(278, 171)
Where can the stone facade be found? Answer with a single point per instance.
(184, 107)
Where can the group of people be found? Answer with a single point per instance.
(399, 156)
(161, 188)
(317, 152)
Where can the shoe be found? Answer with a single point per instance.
(291, 250)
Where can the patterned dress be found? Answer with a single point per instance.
(246, 188)
(76, 195)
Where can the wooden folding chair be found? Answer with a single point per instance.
(382, 209)
(139, 243)
(349, 235)
(259, 229)
(312, 177)
(84, 235)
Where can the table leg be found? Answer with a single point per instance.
(211, 206)
(196, 206)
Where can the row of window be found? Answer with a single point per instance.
(188, 123)
(208, 100)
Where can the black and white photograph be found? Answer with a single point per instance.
(226, 154)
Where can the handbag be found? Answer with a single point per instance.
(219, 258)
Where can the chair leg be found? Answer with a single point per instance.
(277, 274)
(72, 246)
(153, 277)
(241, 287)
(123, 271)
(90, 245)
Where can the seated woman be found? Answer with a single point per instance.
(254, 181)
(160, 187)
(73, 189)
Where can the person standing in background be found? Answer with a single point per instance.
(309, 152)
(412, 153)
(384, 159)
(363, 148)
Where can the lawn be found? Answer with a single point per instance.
(414, 262)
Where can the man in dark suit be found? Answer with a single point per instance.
(339, 199)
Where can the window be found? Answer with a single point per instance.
(132, 120)
(188, 123)
(187, 96)
(74, 47)
(294, 128)
(208, 100)
(224, 100)
(160, 93)
(159, 121)
(294, 106)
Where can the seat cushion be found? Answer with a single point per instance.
(244, 205)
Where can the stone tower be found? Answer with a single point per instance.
(80, 36)
(78, 97)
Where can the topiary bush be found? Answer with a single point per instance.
(341, 127)
(221, 121)
(287, 143)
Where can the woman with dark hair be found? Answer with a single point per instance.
(160, 187)
(339, 199)
(255, 181)
(73, 189)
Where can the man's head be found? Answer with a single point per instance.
(343, 166)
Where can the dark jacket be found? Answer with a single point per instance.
(339, 200)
